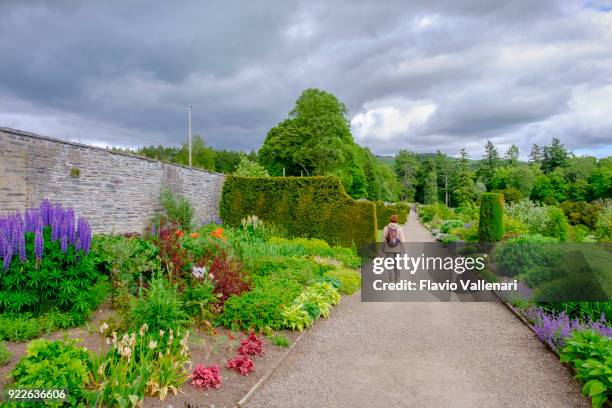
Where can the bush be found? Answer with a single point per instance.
(320, 296)
(248, 168)
(533, 215)
(316, 207)
(384, 212)
(160, 308)
(301, 270)
(177, 209)
(604, 226)
(198, 296)
(450, 224)
(491, 222)
(556, 225)
(261, 307)
(518, 255)
(427, 213)
(55, 365)
(350, 280)
(280, 341)
(5, 355)
(581, 212)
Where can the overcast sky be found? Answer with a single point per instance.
(421, 75)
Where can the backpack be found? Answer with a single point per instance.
(392, 238)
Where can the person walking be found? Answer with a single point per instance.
(394, 243)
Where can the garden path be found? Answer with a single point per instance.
(427, 354)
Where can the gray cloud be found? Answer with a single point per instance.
(420, 75)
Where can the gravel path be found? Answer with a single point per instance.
(420, 355)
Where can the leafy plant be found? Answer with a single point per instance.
(296, 318)
(556, 225)
(198, 296)
(252, 345)
(591, 356)
(603, 226)
(350, 280)
(205, 378)
(447, 225)
(160, 308)
(19, 327)
(5, 355)
(141, 363)
(227, 277)
(177, 209)
(55, 365)
(241, 364)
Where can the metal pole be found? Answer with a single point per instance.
(189, 136)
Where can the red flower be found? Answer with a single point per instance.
(179, 233)
(252, 345)
(206, 377)
(242, 364)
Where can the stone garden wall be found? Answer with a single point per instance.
(116, 192)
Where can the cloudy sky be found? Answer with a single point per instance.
(421, 75)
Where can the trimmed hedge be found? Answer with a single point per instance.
(316, 207)
(491, 224)
(383, 212)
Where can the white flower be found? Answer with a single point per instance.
(103, 327)
(161, 333)
(198, 271)
(152, 345)
(143, 329)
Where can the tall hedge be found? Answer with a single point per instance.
(315, 207)
(491, 224)
(384, 212)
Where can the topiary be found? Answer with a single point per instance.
(491, 223)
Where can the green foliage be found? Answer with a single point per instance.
(299, 316)
(448, 225)
(384, 212)
(62, 280)
(590, 354)
(280, 340)
(488, 164)
(248, 168)
(581, 212)
(198, 296)
(160, 308)
(350, 279)
(300, 270)
(177, 209)
(556, 226)
(306, 206)
(520, 254)
(532, 214)
(601, 179)
(55, 365)
(554, 156)
(584, 311)
(603, 227)
(5, 355)
(464, 191)
(429, 213)
(262, 306)
(491, 221)
(550, 188)
(19, 327)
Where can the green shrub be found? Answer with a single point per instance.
(590, 354)
(518, 255)
(491, 221)
(160, 308)
(350, 280)
(262, 306)
(603, 227)
(55, 365)
(347, 256)
(177, 209)
(5, 355)
(19, 327)
(578, 233)
(449, 239)
(198, 296)
(427, 213)
(530, 213)
(314, 207)
(450, 224)
(556, 226)
(299, 316)
(384, 212)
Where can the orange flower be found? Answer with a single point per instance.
(218, 233)
(194, 235)
(179, 233)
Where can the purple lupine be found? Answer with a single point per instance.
(45, 212)
(21, 243)
(84, 232)
(7, 255)
(38, 239)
